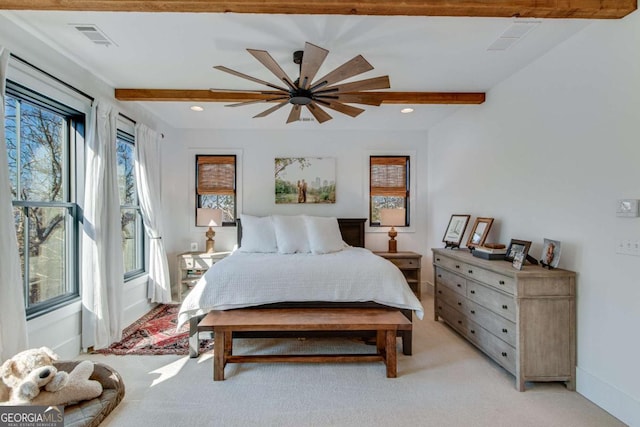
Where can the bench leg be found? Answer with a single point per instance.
(194, 345)
(391, 356)
(406, 342)
(219, 359)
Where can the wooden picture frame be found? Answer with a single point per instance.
(455, 230)
(516, 246)
(479, 232)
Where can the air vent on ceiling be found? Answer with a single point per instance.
(94, 34)
(307, 119)
(511, 35)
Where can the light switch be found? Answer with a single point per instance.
(627, 208)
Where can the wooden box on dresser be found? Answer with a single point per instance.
(525, 319)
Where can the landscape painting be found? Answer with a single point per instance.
(305, 180)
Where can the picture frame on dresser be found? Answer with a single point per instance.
(479, 232)
(516, 246)
(455, 230)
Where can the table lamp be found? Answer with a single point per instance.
(391, 218)
(212, 218)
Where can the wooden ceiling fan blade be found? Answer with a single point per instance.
(271, 110)
(257, 101)
(294, 115)
(320, 115)
(271, 64)
(342, 108)
(355, 66)
(312, 59)
(245, 76)
(352, 98)
(374, 83)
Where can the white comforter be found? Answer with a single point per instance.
(249, 279)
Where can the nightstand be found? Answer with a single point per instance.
(192, 266)
(409, 264)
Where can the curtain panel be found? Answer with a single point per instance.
(102, 261)
(147, 169)
(13, 319)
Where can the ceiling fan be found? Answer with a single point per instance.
(310, 93)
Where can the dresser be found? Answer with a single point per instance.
(409, 264)
(191, 267)
(525, 320)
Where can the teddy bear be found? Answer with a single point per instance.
(31, 378)
(26, 372)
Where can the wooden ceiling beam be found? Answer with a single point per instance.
(587, 9)
(195, 95)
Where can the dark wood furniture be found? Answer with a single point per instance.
(525, 319)
(385, 322)
(409, 264)
(352, 230)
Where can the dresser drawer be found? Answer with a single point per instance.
(495, 301)
(452, 281)
(196, 262)
(453, 317)
(504, 283)
(499, 350)
(448, 263)
(406, 263)
(452, 298)
(498, 326)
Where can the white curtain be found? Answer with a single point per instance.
(13, 320)
(147, 167)
(102, 259)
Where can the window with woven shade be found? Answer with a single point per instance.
(388, 186)
(216, 184)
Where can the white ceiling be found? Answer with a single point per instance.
(178, 51)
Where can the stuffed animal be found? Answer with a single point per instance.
(30, 378)
(28, 371)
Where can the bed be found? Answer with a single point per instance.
(345, 276)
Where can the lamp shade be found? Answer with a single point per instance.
(392, 217)
(207, 217)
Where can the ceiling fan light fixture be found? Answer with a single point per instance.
(406, 110)
(196, 108)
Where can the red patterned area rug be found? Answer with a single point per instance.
(155, 333)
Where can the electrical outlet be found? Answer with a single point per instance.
(194, 246)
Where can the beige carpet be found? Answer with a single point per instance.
(446, 382)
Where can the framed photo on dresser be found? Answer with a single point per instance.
(479, 232)
(455, 230)
(517, 246)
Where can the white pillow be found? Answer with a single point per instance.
(324, 234)
(258, 234)
(291, 234)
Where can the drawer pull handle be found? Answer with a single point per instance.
(473, 331)
(440, 275)
(472, 291)
(457, 266)
(501, 282)
(437, 259)
(470, 271)
(504, 354)
(473, 312)
(458, 285)
(459, 322)
(439, 291)
(504, 331)
(439, 307)
(504, 307)
(459, 303)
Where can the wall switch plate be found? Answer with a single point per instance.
(627, 208)
(194, 246)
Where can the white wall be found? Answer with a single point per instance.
(548, 155)
(258, 149)
(61, 329)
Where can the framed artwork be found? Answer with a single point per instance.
(479, 232)
(550, 253)
(455, 230)
(517, 246)
(305, 180)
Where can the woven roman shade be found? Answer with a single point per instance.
(216, 175)
(388, 176)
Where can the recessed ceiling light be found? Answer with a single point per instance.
(406, 110)
(196, 108)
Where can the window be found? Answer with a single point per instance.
(388, 186)
(216, 185)
(41, 135)
(131, 215)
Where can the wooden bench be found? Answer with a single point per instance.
(386, 323)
